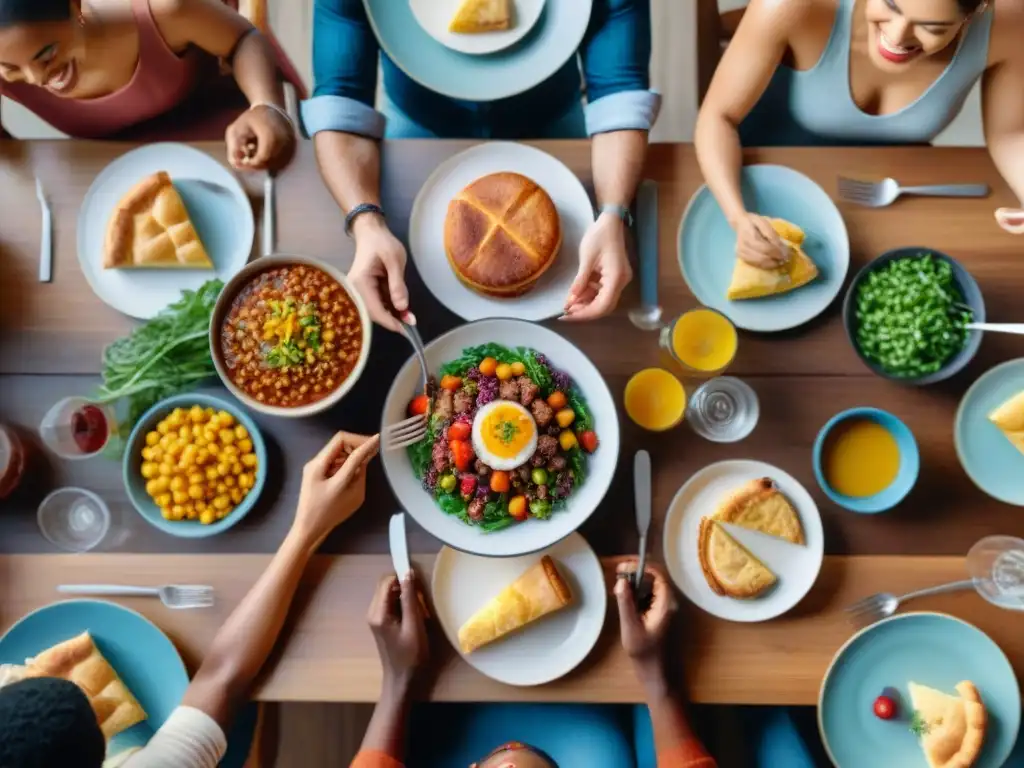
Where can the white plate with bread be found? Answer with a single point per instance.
(522, 620)
(495, 232)
(158, 220)
(743, 540)
(477, 27)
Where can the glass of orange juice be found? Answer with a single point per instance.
(702, 341)
(655, 399)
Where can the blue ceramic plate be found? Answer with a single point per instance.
(554, 38)
(136, 484)
(906, 475)
(988, 458)
(707, 248)
(138, 651)
(927, 648)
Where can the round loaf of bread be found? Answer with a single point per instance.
(502, 232)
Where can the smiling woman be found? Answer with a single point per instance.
(146, 70)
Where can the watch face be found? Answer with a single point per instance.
(621, 211)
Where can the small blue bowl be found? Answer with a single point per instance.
(136, 484)
(906, 476)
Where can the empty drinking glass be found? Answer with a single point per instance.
(73, 519)
(723, 410)
(996, 563)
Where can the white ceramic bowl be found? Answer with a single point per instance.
(532, 535)
(227, 296)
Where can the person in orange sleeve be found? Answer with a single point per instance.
(552, 736)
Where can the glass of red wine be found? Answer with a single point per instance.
(77, 428)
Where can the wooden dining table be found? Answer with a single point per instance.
(52, 337)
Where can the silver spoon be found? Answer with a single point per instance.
(647, 317)
(1017, 328)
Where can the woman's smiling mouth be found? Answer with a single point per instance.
(63, 79)
(897, 54)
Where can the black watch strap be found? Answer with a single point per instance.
(358, 211)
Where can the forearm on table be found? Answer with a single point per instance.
(618, 165)
(243, 644)
(350, 167)
(720, 156)
(255, 69)
(676, 744)
(1007, 153)
(386, 732)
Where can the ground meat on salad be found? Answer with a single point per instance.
(509, 389)
(445, 405)
(528, 391)
(547, 447)
(476, 509)
(463, 401)
(542, 413)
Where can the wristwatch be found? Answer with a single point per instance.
(358, 211)
(618, 210)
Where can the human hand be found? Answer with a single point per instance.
(328, 497)
(604, 270)
(397, 622)
(378, 272)
(643, 635)
(1011, 219)
(260, 139)
(758, 244)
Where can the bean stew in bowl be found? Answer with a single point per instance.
(289, 337)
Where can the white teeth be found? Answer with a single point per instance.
(891, 47)
(60, 81)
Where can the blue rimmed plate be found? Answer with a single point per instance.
(707, 246)
(136, 648)
(927, 648)
(555, 37)
(988, 458)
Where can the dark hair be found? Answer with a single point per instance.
(33, 11)
(967, 7)
(48, 723)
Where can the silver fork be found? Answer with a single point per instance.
(46, 236)
(410, 431)
(877, 194)
(884, 604)
(171, 595)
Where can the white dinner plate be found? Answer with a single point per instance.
(796, 566)
(435, 16)
(426, 230)
(543, 651)
(216, 202)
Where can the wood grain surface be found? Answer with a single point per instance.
(328, 653)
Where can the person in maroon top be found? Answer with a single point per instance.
(145, 70)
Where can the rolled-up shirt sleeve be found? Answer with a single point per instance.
(345, 54)
(616, 56)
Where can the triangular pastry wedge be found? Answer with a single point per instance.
(151, 229)
(750, 282)
(539, 592)
(476, 16)
(80, 661)
(760, 506)
(952, 727)
(1009, 417)
(729, 567)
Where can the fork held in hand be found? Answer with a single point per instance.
(410, 431)
(172, 595)
(884, 604)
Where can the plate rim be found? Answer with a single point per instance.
(864, 630)
(386, 48)
(517, 35)
(416, 216)
(746, 326)
(81, 241)
(669, 557)
(448, 551)
(958, 420)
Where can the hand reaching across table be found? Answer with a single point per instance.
(758, 244)
(261, 138)
(378, 272)
(1011, 219)
(604, 271)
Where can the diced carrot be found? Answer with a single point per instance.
(500, 481)
(488, 366)
(557, 400)
(451, 383)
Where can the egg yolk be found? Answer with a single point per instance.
(506, 430)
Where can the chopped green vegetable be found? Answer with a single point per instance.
(538, 373)
(911, 316)
(539, 476)
(584, 421)
(419, 453)
(918, 725)
(472, 356)
(540, 508)
(453, 504)
(163, 356)
(578, 466)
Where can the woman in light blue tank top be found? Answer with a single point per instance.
(860, 72)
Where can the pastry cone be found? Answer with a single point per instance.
(750, 282)
(1009, 417)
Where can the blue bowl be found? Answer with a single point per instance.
(136, 484)
(906, 476)
(972, 298)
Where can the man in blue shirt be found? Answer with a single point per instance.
(614, 57)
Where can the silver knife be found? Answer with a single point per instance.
(269, 204)
(647, 316)
(642, 499)
(399, 545)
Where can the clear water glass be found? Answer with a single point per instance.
(73, 519)
(723, 410)
(996, 563)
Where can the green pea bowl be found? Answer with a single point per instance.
(917, 316)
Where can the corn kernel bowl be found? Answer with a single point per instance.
(194, 465)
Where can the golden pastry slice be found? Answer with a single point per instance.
(80, 661)
(952, 728)
(1009, 417)
(760, 506)
(151, 229)
(750, 282)
(475, 16)
(538, 592)
(729, 567)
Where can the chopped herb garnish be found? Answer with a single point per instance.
(507, 431)
(918, 725)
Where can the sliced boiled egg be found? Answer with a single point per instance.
(504, 435)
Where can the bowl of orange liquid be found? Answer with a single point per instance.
(655, 399)
(866, 460)
(702, 341)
